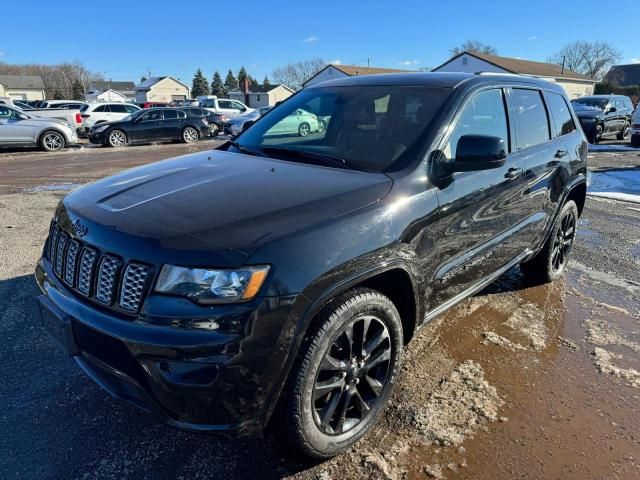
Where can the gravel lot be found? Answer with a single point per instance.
(519, 381)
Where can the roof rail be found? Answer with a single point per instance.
(498, 73)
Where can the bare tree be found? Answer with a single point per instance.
(58, 79)
(473, 46)
(293, 75)
(592, 59)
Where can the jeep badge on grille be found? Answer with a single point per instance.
(79, 229)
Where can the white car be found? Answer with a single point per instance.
(100, 112)
(635, 128)
(223, 106)
(299, 122)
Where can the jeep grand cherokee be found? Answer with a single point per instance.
(292, 271)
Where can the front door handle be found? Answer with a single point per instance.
(561, 153)
(513, 173)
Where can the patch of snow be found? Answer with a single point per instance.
(622, 184)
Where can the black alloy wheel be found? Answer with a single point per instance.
(563, 241)
(351, 376)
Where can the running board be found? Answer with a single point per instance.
(475, 288)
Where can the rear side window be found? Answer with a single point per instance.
(102, 108)
(131, 108)
(116, 108)
(225, 104)
(483, 114)
(170, 114)
(533, 124)
(563, 122)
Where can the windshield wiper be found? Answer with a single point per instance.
(249, 151)
(329, 160)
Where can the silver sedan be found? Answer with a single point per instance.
(20, 129)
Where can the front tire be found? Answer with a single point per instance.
(549, 264)
(304, 129)
(190, 135)
(52, 141)
(597, 135)
(117, 138)
(344, 374)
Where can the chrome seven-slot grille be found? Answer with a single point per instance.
(102, 277)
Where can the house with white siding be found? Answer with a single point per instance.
(575, 84)
(22, 87)
(262, 95)
(162, 89)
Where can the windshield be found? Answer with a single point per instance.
(366, 128)
(599, 103)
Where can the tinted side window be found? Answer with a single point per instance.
(484, 114)
(115, 108)
(561, 115)
(224, 104)
(130, 108)
(533, 124)
(102, 108)
(182, 114)
(170, 114)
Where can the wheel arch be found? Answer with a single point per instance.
(577, 193)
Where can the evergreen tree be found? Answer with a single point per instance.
(77, 90)
(58, 95)
(218, 88)
(242, 76)
(266, 81)
(200, 86)
(230, 82)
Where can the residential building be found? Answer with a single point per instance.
(22, 87)
(161, 89)
(624, 75)
(333, 71)
(575, 84)
(262, 95)
(106, 96)
(97, 89)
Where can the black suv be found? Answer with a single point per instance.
(290, 271)
(601, 115)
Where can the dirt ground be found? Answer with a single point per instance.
(520, 381)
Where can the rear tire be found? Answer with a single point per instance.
(117, 138)
(344, 373)
(596, 136)
(52, 141)
(624, 133)
(190, 135)
(549, 264)
(635, 140)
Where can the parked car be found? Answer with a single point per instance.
(185, 103)
(68, 116)
(22, 105)
(154, 125)
(62, 104)
(239, 124)
(216, 120)
(100, 112)
(602, 115)
(635, 128)
(299, 122)
(155, 105)
(224, 106)
(20, 129)
(292, 271)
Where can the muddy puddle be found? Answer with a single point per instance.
(517, 382)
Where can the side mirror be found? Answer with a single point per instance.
(478, 152)
(612, 110)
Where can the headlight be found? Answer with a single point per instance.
(212, 286)
(101, 129)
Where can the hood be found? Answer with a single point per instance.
(212, 200)
(587, 111)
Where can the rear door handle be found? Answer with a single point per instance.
(561, 153)
(514, 173)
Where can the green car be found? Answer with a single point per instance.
(300, 122)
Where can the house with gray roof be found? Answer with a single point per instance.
(22, 87)
(100, 89)
(162, 89)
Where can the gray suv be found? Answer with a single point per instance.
(19, 129)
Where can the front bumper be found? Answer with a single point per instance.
(220, 379)
(97, 137)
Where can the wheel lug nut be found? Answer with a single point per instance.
(346, 387)
(357, 381)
